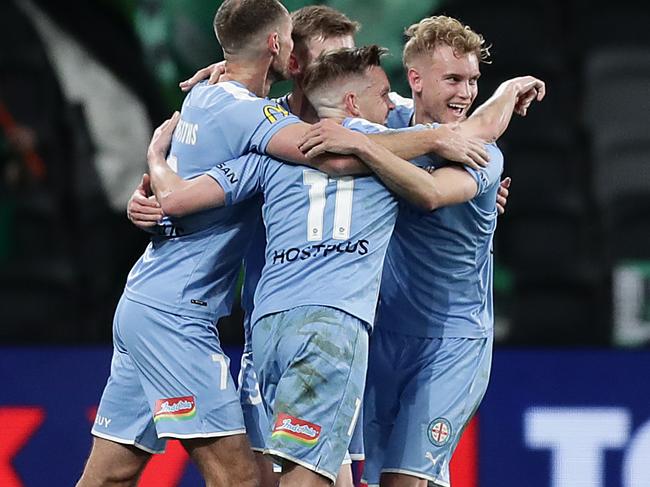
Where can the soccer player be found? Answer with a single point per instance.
(316, 29)
(436, 291)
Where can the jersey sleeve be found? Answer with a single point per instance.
(254, 121)
(240, 178)
(487, 176)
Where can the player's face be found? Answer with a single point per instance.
(313, 48)
(449, 85)
(373, 102)
(318, 45)
(280, 66)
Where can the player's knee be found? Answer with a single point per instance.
(114, 465)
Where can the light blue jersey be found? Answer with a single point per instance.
(334, 230)
(191, 270)
(430, 356)
(438, 271)
(402, 115)
(437, 278)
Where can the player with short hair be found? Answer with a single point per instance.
(436, 293)
(316, 29)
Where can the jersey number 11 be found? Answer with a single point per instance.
(317, 182)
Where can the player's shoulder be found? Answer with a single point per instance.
(401, 115)
(233, 90)
(221, 94)
(399, 101)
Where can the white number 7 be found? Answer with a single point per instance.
(317, 182)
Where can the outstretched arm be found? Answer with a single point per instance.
(490, 120)
(177, 196)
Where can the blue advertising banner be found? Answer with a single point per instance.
(566, 418)
(551, 418)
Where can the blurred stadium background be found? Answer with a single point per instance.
(82, 85)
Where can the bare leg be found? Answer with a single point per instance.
(401, 480)
(224, 461)
(344, 478)
(296, 476)
(264, 464)
(112, 464)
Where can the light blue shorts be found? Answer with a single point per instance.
(420, 395)
(311, 363)
(169, 379)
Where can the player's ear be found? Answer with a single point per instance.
(294, 65)
(351, 104)
(273, 43)
(415, 80)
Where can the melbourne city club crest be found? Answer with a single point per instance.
(439, 431)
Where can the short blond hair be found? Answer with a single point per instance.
(426, 35)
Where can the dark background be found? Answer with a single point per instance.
(572, 252)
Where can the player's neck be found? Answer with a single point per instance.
(335, 118)
(333, 113)
(300, 106)
(254, 76)
(421, 116)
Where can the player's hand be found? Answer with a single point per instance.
(329, 136)
(458, 148)
(143, 210)
(527, 89)
(502, 195)
(212, 73)
(162, 138)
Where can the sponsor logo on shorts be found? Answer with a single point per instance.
(175, 408)
(439, 431)
(102, 421)
(429, 456)
(296, 429)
